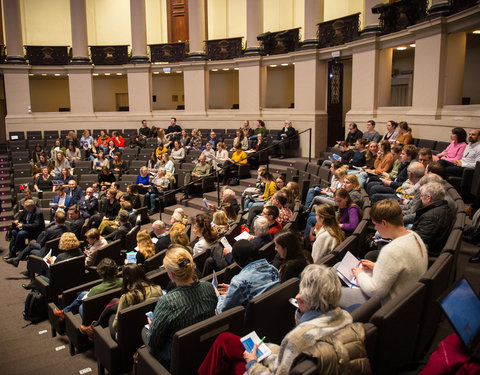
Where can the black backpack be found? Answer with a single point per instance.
(35, 307)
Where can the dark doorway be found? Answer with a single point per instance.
(336, 131)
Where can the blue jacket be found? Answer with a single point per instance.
(255, 279)
(77, 194)
(68, 200)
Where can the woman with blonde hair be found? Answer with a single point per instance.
(196, 139)
(327, 234)
(146, 247)
(161, 138)
(190, 302)
(351, 184)
(220, 223)
(60, 163)
(178, 237)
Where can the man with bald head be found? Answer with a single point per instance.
(29, 225)
(74, 191)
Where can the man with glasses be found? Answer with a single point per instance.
(271, 214)
(74, 191)
(89, 204)
(354, 134)
(434, 218)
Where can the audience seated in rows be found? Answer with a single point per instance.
(318, 315)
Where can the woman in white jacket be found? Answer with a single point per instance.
(327, 233)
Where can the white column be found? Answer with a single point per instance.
(78, 16)
(370, 21)
(13, 31)
(195, 82)
(196, 26)
(313, 16)
(250, 75)
(139, 31)
(80, 84)
(17, 91)
(139, 89)
(254, 25)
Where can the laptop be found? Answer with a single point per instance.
(462, 307)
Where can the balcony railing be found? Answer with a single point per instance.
(47, 55)
(338, 31)
(223, 49)
(168, 52)
(280, 41)
(109, 55)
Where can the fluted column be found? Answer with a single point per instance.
(254, 26)
(139, 31)
(78, 16)
(196, 26)
(313, 16)
(13, 32)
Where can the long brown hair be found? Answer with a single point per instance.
(330, 222)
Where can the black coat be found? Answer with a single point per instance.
(36, 223)
(120, 234)
(433, 224)
(162, 243)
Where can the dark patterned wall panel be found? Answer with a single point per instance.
(109, 55)
(279, 42)
(338, 31)
(47, 55)
(223, 49)
(168, 52)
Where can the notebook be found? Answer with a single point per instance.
(462, 307)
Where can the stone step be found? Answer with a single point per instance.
(6, 216)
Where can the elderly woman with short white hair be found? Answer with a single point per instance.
(318, 315)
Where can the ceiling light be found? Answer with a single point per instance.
(31, 74)
(107, 74)
(273, 66)
(57, 74)
(118, 74)
(225, 69)
(214, 70)
(401, 48)
(235, 68)
(476, 31)
(284, 64)
(44, 74)
(178, 71)
(156, 72)
(95, 74)
(413, 45)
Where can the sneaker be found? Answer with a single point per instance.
(59, 313)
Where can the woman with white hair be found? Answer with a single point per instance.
(318, 315)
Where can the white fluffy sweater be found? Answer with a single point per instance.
(400, 263)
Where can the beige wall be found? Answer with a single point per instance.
(339, 8)
(223, 89)
(280, 87)
(46, 22)
(156, 11)
(105, 89)
(471, 87)
(108, 22)
(227, 18)
(49, 94)
(165, 87)
(282, 14)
